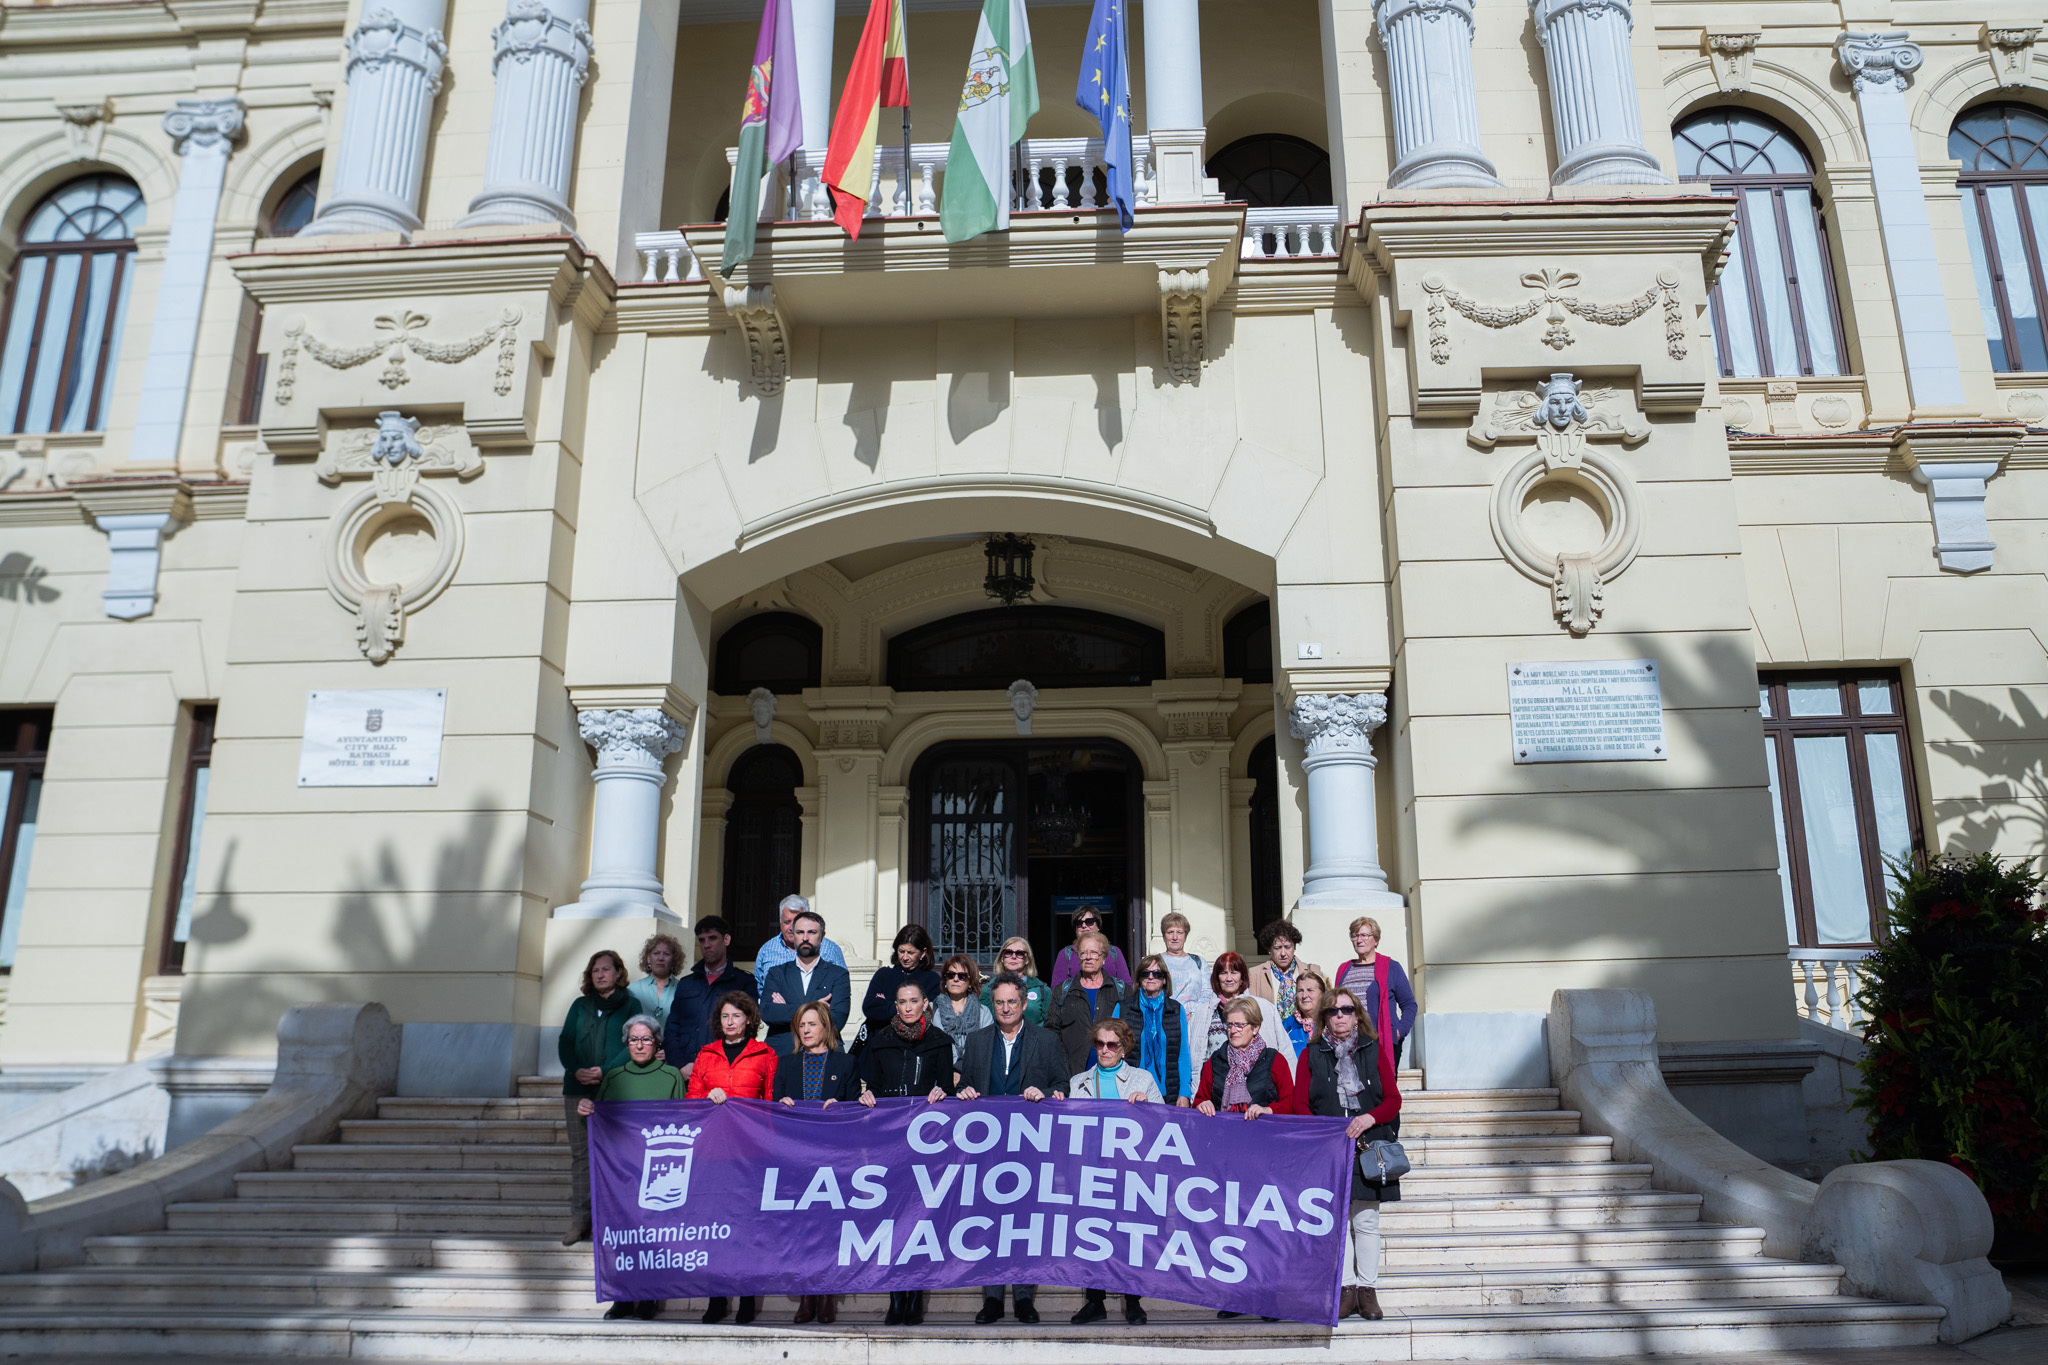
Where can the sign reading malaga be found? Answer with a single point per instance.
(691, 1198)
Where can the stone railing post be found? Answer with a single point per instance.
(1436, 103)
(394, 72)
(625, 819)
(1173, 101)
(541, 59)
(1343, 819)
(1593, 101)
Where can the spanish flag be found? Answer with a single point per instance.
(879, 79)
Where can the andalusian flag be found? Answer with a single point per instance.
(878, 79)
(997, 101)
(771, 127)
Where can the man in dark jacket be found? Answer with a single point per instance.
(689, 1019)
(1011, 1057)
(805, 978)
(1081, 1002)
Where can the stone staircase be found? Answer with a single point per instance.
(431, 1233)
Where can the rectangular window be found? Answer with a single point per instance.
(1842, 794)
(24, 745)
(185, 856)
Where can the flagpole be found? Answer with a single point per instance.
(909, 194)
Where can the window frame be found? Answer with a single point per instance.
(123, 250)
(1781, 728)
(1977, 184)
(198, 754)
(28, 761)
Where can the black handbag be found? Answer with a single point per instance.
(1381, 1162)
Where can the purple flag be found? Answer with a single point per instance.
(691, 1198)
(771, 127)
(777, 45)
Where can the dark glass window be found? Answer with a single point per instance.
(1842, 795)
(293, 211)
(67, 304)
(24, 745)
(1774, 308)
(2004, 183)
(763, 844)
(1272, 170)
(1248, 644)
(1050, 646)
(1263, 767)
(778, 650)
(185, 854)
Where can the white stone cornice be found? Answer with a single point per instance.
(1878, 59)
(1954, 462)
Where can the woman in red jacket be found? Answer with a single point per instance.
(1245, 1076)
(737, 1067)
(1345, 1074)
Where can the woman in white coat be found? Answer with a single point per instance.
(1116, 1074)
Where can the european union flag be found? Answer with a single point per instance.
(1105, 92)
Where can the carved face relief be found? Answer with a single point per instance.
(1561, 406)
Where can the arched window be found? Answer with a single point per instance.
(287, 218)
(778, 650)
(1248, 644)
(1050, 646)
(2004, 151)
(763, 844)
(1774, 308)
(66, 305)
(1272, 170)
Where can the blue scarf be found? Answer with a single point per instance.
(1105, 1081)
(1152, 1034)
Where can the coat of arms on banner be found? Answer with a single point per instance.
(665, 1170)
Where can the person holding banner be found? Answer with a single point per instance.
(817, 1070)
(643, 1077)
(1246, 1075)
(1012, 1056)
(1016, 958)
(1161, 1027)
(1345, 1073)
(911, 1058)
(738, 1066)
(591, 1043)
(1114, 1077)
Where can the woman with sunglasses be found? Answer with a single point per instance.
(1161, 1028)
(1068, 964)
(1345, 1073)
(1016, 958)
(958, 1011)
(1115, 1076)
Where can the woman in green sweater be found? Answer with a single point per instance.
(641, 1078)
(592, 1042)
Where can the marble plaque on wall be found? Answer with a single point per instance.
(384, 738)
(1603, 711)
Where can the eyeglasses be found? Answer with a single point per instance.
(1240, 1023)
(1108, 1045)
(1341, 1009)
(958, 976)
(1013, 952)
(1152, 974)
(1086, 923)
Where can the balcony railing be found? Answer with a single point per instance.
(1311, 233)
(1825, 982)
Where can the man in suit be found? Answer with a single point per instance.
(1011, 1057)
(807, 976)
(689, 1018)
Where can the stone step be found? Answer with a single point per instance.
(418, 1107)
(1484, 1123)
(1411, 1083)
(481, 1186)
(1517, 1331)
(1507, 1149)
(432, 1156)
(193, 1288)
(1474, 1101)
(1613, 1245)
(413, 1132)
(1411, 1215)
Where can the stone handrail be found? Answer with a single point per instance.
(333, 1062)
(1911, 1231)
(1305, 233)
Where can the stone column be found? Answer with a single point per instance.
(541, 59)
(814, 20)
(1436, 103)
(625, 818)
(1343, 819)
(1879, 65)
(1173, 101)
(394, 73)
(203, 132)
(1593, 101)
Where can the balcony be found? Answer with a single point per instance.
(1824, 985)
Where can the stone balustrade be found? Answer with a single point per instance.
(1308, 233)
(1825, 983)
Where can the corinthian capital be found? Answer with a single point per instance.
(206, 124)
(1331, 721)
(1878, 60)
(643, 736)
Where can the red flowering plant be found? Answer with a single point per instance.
(1955, 1066)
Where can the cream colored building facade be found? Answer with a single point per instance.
(603, 465)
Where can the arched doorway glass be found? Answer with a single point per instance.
(763, 843)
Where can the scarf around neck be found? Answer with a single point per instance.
(1152, 1033)
(1348, 1083)
(909, 1034)
(1235, 1090)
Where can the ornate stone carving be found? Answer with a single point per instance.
(1560, 421)
(1731, 51)
(642, 736)
(1186, 722)
(540, 62)
(1184, 322)
(858, 733)
(394, 73)
(1831, 410)
(211, 124)
(393, 456)
(2028, 405)
(2012, 52)
(382, 37)
(1878, 59)
(530, 26)
(1554, 283)
(402, 336)
(761, 705)
(1333, 721)
(85, 127)
(765, 332)
(1023, 701)
(1434, 96)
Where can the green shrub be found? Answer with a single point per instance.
(1956, 1063)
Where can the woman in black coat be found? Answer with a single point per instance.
(1344, 1073)
(817, 1070)
(909, 1057)
(912, 962)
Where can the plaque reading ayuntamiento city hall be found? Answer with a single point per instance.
(1586, 712)
(385, 738)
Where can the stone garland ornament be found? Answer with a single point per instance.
(1184, 322)
(1554, 283)
(402, 335)
(1562, 422)
(393, 456)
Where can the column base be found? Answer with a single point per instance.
(616, 909)
(349, 217)
(514, 208)
(1610, 165)
(1439, 168)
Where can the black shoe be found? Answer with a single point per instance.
(647, 1310)
(1264, 1318)
(1226, 1313)
(622, 1309)
(714, 1311)
(894, 1317)
(1091, 1311)
(1027, 1311)
(991, 1311)
(913, 1312)
(1134, 1311)
(749, 1307)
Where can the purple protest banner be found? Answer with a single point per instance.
(691, 1199)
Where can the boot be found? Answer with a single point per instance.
(622, 1309)
(647, 1310)
(828, 1308)
(806, 1309)
(714, 1311)
(1091, 1311)
(750, 1306)
(913, 1312)
(894, 1317)
(579, 1231)
(1134, 1310)
(1369, 1304)
(991, 1311)
(1347, 1302)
